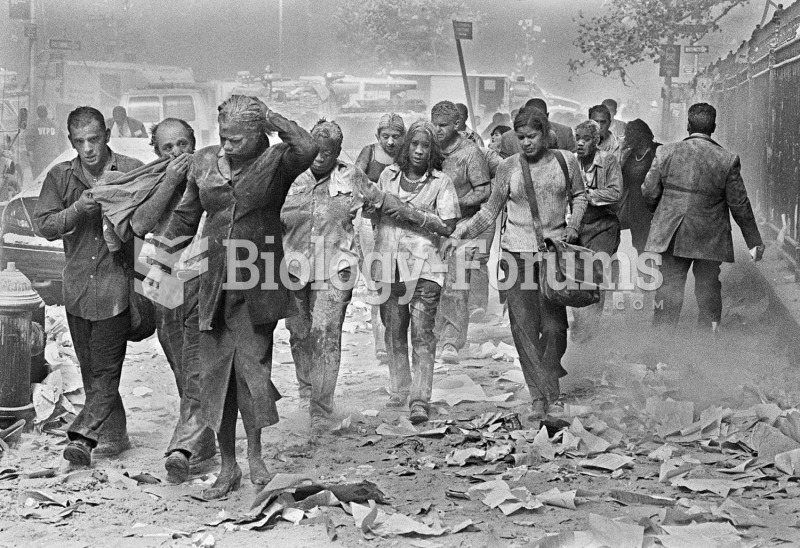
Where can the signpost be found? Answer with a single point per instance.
(463, 31)
(669, 67)
(66, 45)
(696, 50)
(30, 31)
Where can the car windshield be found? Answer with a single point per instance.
(145, 108)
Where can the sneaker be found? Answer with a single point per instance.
(449, 354)
(477, 316)
(78, 452)
(418, 414)
(397, 400)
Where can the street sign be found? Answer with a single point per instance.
(65, 45)
(695, 49)
(670, 64)
(19, 9)
(691, 29)
(30, 31)
(462, 30)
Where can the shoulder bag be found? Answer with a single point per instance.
(563, 278)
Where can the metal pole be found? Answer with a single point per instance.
(32, 64)
(466, 83)
(666, 105)
(280, 36)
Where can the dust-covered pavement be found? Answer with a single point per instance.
(730, 399)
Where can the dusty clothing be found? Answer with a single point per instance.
(100, 347)
(539, 329)
(243, 205)
(611, 144)
(633, 212)
(43, 143)
(707, 290)
(94, 279)
(466, 166)
(179, 336)
(236, 357)
(317, 220)
(508, 193)
(602, 179)
(409, 251)
(472, 136)
(417, 316)
(131, 127)
(316, 341)
(318, 225)
(696, 186)
(368, 164)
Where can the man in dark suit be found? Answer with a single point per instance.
(696, 185)
(561, 136)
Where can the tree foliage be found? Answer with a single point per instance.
(387, 34)
(632, 31)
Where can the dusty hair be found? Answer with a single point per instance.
(83, 116)
(589, 125)
(447, 109)
(329, 130)
(249, 111)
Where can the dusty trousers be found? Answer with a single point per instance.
(538, 326)
(707, 290)
(179, 334)
(315, 336)
(100, 347)
(417, 315)
(452, 319)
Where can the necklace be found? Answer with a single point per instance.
(646, 152)
(413, 181)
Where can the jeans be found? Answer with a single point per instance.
(452, 319)
(179, 335)
(316, 341)
(419, 314)
(539, 329)
(707, 290)
(100, 347)
(479, 283)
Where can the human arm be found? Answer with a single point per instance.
(301, 146)
(52, 216)
(490, 209)
(741, 210)
(147, 215)
(610, 187)
(653, 186)
(401, 211)
(477, 171)
(493, 160)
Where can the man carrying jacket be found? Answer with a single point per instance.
(695, 185)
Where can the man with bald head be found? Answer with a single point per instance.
(178, 327)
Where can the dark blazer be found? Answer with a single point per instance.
(247, 208)
(697, 185)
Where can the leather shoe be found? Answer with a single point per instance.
(418, 414)
(78, 452)
(449, 354)
(177, 466)
(538, 410)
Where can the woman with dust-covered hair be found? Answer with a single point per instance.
(241, 184)
(419, 206)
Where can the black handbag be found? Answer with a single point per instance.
(563, 278)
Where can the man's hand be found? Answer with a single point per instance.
(757, 253)
(448, 247)
(86, 204)
(177, 168)
(151, 282)
(570, 235)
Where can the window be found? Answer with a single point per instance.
(145, 109)
(489, 85)
(179, 106)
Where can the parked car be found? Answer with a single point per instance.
(41, 260)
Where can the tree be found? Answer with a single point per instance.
(632, 31)
(386, 34)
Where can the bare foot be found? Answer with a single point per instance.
(259, 475)
(229, 479)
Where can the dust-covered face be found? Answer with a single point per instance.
(446, 128)
(90, 141)
(173, 140)
(390, 141)
(585, 143)
(419, 151)
(532, 141)
(240, 141)
(604, 121)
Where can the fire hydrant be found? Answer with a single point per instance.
(20, 338)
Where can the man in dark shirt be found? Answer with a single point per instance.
(561, 136)
(42, 141)
(95, 281)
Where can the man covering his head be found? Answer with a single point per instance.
(122, 125)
